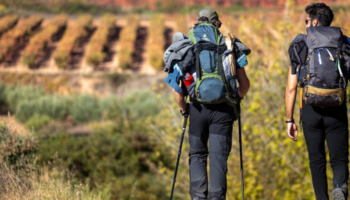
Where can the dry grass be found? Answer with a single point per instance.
(48, 183)
(22, 178)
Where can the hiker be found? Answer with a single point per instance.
(212, 111)
(320, 66)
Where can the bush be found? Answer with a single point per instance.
(16, 150)
(139, 104)
(117, 78)
(21, 177)
(54, 106)
(111, 154)
(16, 94)
(139, 187)
(37, 121)
(85, 108)
(107, 104)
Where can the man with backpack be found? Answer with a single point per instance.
(320, 67)
(212, 108)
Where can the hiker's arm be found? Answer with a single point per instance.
(291, 91)
(243, 81)
(180, 100)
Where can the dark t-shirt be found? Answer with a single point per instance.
(298, 46)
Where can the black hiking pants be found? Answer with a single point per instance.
(211, 123)
(330, 125)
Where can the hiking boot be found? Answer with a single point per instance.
(338, 194)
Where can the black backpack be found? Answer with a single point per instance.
(323, 76)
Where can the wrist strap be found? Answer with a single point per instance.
(290, 121)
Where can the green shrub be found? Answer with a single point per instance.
(111, 154)
(104, 154)
(107, 104)
(139, 104)
(37, 121)
(54, 106)
(16, 94)
(22, 177)
(85, 108)
(117, 78)
(146, 186)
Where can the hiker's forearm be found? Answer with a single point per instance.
(180, 100)
(243, 81)
(290, 96)
(290, 102)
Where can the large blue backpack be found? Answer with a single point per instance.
(211, 84)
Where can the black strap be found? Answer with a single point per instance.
(298, 66)
(296, 54)
(211, 47)
(198, 66)
(221, 71)
(290, 121)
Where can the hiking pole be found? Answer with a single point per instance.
(179, 154)
(240, 147)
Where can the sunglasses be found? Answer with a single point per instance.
(307, 20)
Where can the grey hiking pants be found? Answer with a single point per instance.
(211, 123)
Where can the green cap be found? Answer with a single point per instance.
(208, 13)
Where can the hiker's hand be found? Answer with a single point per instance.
(185, 112)
(292, 130)
(239, 96)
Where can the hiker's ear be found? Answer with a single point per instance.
(315, 22)
(218, 24)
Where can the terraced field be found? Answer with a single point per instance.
(120, 43)
(84, 45)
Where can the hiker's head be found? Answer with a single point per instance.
(179, 36)
(318, 14)
(208, 15)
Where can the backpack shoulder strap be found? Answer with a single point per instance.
(198, 65)
(192, 37)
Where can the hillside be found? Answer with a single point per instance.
(122, 137)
